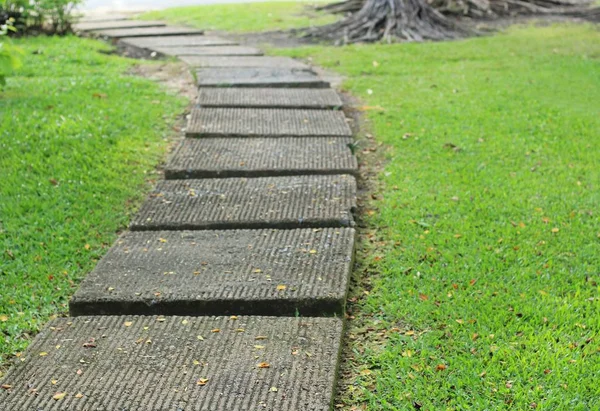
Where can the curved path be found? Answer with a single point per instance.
(228, 291)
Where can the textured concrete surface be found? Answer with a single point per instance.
(177, 363)
(266, 122)
(175, 41)
(244, 61)
(147, 31)
(252, 272)
(259, 157)
(258, 77)
(268, 98)
(267, 202)
(118, 24)
(208, 51)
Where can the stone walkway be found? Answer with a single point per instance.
(229, 289)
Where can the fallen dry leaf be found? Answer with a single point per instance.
(263, 365)
(59, 396)
(281, 287)
(128, 323)
(202, 381)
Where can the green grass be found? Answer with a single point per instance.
(78, 141)
(485, 260)
(245, 17)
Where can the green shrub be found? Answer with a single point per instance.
(10, 56)
(50, 16)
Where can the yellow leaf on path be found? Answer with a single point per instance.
(80, 395)
(202, 381)
(196, 362)
(6, 386)
(54, 382)
(43, 354)
(281, 287)
(313, 251)
(59, 396)
(233, 317)
(259, 347)
(128, 323)
(261, 337)
(263, 365)
(184, 322)
(216, 330)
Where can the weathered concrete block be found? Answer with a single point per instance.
(177, 363)
(244, 61)
(260, 157)
(258, 122)
(189, 51)
(258, 77)
(268, 98)
(251, 272)
(266, 202)
(117, 24)
(147, 31)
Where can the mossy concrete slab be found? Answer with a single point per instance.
(188, 51)
(259, 122)
(147, 31)
(260, 157)
(258, 77)
(269, 98)
(252, 272)
(244, 61)
(116, 24)
(151, 43)
(237, 203)
(133, 363)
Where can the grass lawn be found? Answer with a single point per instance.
(78, 141)
(245, 17)
(484, 256)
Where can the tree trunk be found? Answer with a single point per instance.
(412, 20)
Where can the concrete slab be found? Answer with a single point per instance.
(177, 363)
(240, 203)
(244, 61)
(175, 41)
(260, 157)
(266, 122)
(186, 51)
(259, 77)
(98, 17)
(118, 24)
(268, 98)
(147, 31)
(251, 272)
